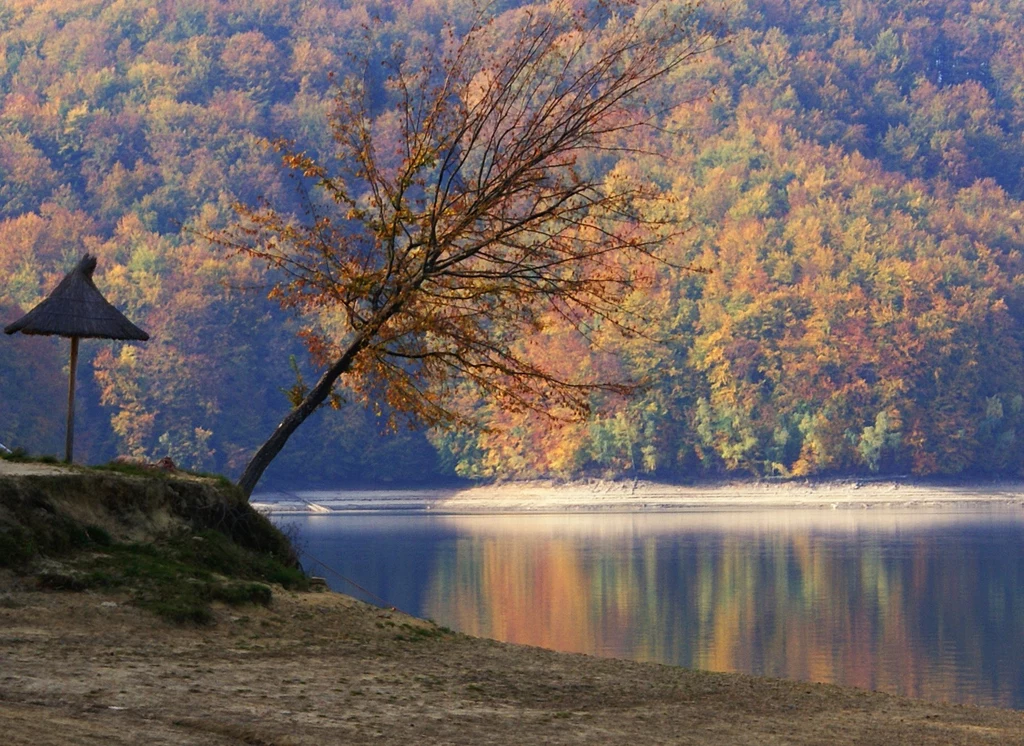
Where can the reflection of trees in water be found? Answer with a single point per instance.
(925, 616)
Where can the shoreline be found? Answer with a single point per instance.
(603, 496)
(316, 668)
(620, 496)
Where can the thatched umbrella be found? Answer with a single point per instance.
(77, 309)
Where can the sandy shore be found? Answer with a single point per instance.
(324, 669)
(613, 496)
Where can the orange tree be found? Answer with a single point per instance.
(472, 190)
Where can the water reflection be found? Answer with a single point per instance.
(930, 606)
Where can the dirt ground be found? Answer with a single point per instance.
(322, 668)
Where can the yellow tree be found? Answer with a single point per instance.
(472, 191)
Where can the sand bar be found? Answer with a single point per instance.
(640, 496)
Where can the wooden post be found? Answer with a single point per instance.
(70, 438)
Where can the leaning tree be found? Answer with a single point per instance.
(469, 193)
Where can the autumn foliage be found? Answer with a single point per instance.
(459, 209)
(852, 174)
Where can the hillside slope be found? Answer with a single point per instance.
(850, 172)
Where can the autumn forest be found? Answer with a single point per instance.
(849, 174)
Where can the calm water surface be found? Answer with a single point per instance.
(927, 605)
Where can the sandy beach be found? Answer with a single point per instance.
(321, 668)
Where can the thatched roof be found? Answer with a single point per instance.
(77, 309)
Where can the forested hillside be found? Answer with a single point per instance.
(120, 124)
(853, 181)
(849, 171)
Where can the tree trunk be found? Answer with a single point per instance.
(316, 396)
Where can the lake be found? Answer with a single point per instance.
(926, 604)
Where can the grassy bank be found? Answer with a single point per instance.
(174, 543)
